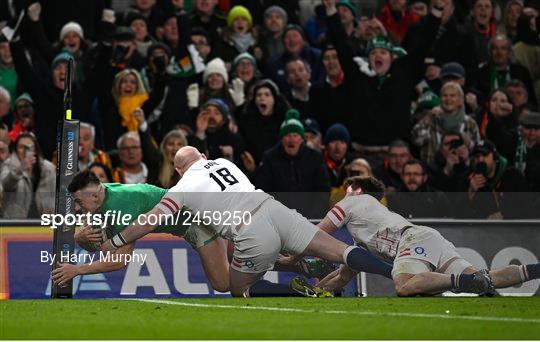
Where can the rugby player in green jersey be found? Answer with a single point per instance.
(121, 200)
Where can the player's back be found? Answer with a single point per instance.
(220, 188)
(372, 224)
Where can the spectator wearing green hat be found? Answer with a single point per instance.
(378, 88)
(245, 68)
(291, 166)
(348, 14)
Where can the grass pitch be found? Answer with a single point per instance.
(273, 318)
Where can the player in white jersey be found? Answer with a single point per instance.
(219, 188)
(424, 261)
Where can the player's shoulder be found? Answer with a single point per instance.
(357, 200)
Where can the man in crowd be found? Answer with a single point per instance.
(213, 131)
(417, 198)
(88, 153)
(298, 74)
(291, 165)
(390, 172)
(499, 69)
(494, 186)
(336, 144)
(132, 170)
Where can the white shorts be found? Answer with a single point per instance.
(423, 249)
(273, 228)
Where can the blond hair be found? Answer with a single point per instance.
(118, 80)
(167, 169)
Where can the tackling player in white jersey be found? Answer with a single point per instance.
(424, 261)
(219, 188)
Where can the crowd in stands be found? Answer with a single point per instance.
(436, 98)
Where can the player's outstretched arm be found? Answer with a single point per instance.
(65, 272)
(136, 230)
(327, 226)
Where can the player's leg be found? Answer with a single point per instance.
(216, 266)
(513, 274)
(414, 277)
(359, 259)
(256, 249)
(300, 236)
(213, 253)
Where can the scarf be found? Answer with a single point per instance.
(521, 155)
(242, 41)
(498, 79)
(126, 107)
(452, 122)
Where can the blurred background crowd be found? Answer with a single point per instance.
(436, 98)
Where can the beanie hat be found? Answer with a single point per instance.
(244, 55)
(279, 10)
(348, 4)
(62, 57)
(131, 16)
(291, 124)
(216, 66)
(124, 33)
(428, 100)
(71, 27)
(239, 12)
(295, 28)
(337, 132)
(266, 83)
(24, 97)
(159, 45)
(219, 104)
(380, 42)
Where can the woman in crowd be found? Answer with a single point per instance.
(450, 117)
(500, 123)
(28, 180)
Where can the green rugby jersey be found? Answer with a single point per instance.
(136, 199)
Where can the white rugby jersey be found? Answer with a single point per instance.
(370, 224)
(217, 187)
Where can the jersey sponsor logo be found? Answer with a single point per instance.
(420, 251)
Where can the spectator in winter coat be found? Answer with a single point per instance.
(493, 185)
(28, 180)
(380, 85)
(396, 18)
(291, 166)
(499, 70)
(451, 117)
(296, 46)
(212, 127)
(261, 119)
(417, 198)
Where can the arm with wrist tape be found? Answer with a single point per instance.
(137, 229)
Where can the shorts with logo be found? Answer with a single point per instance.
(420, 244)
(273, 228)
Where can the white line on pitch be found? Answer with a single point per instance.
(340, 312)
